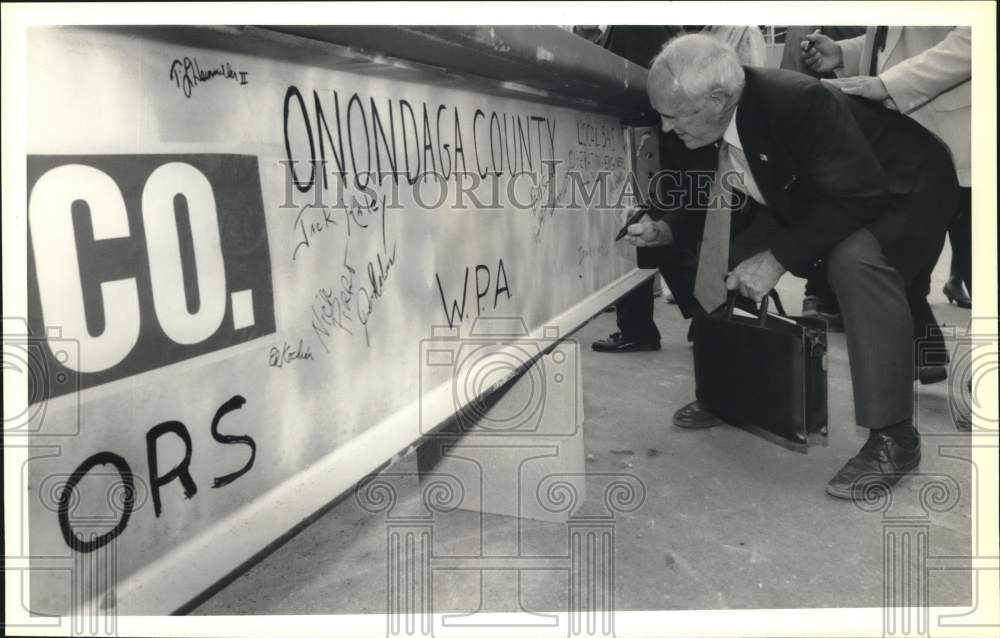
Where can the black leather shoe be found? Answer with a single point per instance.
(694, 416)
(955, 292)
(617, 343)
(930, 374)
(878, 466)
(813, 306)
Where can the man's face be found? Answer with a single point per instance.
(696, 122)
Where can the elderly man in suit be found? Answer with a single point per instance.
(677, 262)
(826, 176)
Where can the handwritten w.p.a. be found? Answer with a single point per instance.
(482, 288)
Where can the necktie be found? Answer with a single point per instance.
(713, 258)
(878, 45)
(741, 167)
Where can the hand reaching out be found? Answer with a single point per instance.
(820, 53)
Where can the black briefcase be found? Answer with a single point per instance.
(764, 371)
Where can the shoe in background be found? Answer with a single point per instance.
(616, 342)
(955, 292)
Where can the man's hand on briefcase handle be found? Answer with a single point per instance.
(649, 233)
(756, 276)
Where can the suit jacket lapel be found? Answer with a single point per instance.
(892, 37)
(754, 135)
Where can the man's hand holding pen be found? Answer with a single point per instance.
(647, 232)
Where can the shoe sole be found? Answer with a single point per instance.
(699, 426)
(848, 495)
(618, 350)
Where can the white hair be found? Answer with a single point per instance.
(700, 65)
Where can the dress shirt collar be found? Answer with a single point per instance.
(732, 135)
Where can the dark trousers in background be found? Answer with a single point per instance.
(678, 264)
(960, 236)
(634, 313)
(929, 347)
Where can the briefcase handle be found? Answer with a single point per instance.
(762, 313)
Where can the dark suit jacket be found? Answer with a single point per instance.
(678, 195)
(829, 164)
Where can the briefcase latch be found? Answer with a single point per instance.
(817, 348)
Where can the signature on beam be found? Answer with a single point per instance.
(187, 73)
(286, 354)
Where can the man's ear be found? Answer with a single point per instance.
(717, 100)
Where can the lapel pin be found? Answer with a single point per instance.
(763, 157)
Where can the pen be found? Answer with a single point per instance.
(635, 217)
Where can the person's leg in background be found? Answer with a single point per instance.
(678, 267)
(960, 236)
(930, 352)
(878, 326)
(636, 329)
(820, 301)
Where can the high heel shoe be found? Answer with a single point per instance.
(955, 293)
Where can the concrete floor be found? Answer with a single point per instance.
(730, 518)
